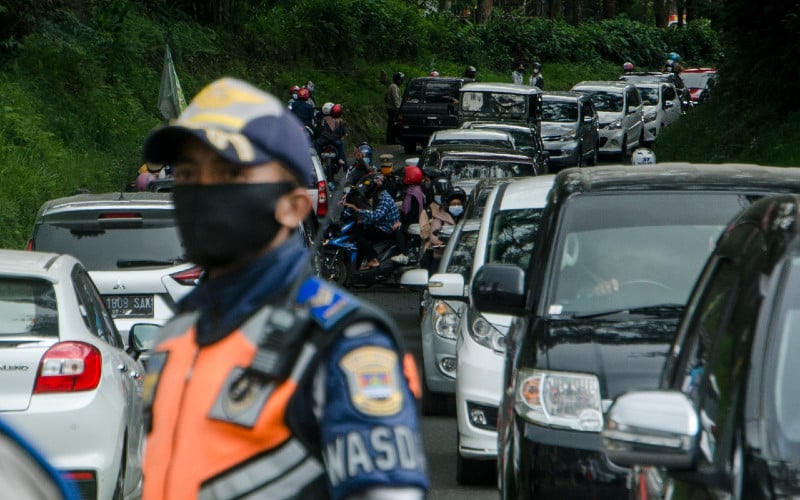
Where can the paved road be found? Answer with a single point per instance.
(439, 433)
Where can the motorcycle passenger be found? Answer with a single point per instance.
(293, 95)
(332, 132)
(471, 72)
(303, 109)
(376, 223)
(390, 182)
(413, 204)
(431, 223)
(362, 165)
(311, 89)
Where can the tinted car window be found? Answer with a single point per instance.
(102, 324)
(606, 101)
(27, 307)
(103, 247)
(627, 244)
(559, 111)
(463, 254)
(432, 92)
(649, 95)
(512, 235)
(457, 169)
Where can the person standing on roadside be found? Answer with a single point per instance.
(536, 79)
(393, 99)
(269, 382)
(517, 76)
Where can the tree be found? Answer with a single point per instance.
(609, 9)
(484, 11)
(660, 13)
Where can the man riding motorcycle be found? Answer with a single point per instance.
(376, 222)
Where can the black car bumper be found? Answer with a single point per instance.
(564, 464)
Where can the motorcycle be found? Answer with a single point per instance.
(330, 162)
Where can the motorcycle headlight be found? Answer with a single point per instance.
(615, 125)
(649, 117)
(445, 320)
(559, 399)
(484, 333)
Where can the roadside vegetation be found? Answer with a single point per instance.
(79, 80)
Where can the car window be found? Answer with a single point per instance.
(669, 93)
(649, 95)
(463, 253)
(628, 244)
(634, 99)
(493, 102)
(560, 111)
(94, 313)
(511, 236)
(432, 92)
(458, 169)
(605, 100)
(102, 245)
(28, 306)
(787, 371)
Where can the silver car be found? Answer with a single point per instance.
(570, 130)
(66, 382)
(439, 320)
(129, 243)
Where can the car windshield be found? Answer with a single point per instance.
(484, 141)
(493, 103)
(652, 244)
(649, 95)
(695, 80)
(433, 92)
(463, 253)
(512, 235)
(606, 101)
(787, 404)
(108, 248)
(27, 307)
(560, 111)
(458, 169)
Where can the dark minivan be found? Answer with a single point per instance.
(616, 258)
(725, 422)
(429, 103)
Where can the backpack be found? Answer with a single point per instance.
(425, 219)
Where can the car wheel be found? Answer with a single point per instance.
(470, 472)
(410, 147)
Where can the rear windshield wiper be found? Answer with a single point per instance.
(654, 310)
(147, 262)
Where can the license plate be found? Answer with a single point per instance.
(129, 306)
(328, 155)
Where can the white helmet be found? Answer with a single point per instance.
(643, 156)
(327, 108)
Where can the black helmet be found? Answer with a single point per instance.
(371, 184)
(399, 76)
(470, 72)
(537, 65)
(455, 192)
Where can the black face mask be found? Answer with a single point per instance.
(222, 223)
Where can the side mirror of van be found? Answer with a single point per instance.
(447, 286)
(499, 289)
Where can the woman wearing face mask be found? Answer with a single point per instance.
(433, 220)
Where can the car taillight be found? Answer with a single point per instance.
(69, 367)
(188, 277)
(322, 198)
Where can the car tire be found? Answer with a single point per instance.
(410, 147)
(471, 472)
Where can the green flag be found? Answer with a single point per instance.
(171, 101)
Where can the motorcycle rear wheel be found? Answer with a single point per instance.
(337, 269)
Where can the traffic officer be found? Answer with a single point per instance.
(270, 382)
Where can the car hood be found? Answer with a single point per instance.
(625, 355)
(551, 130)
(608, 116)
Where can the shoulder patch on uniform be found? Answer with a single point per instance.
(327, 303)
(373, 377)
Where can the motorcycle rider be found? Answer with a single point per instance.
(413, 204)
(390, 181)
(303, 109)
(293, 95)
(377, 222)
(332, 131)
(471, 72)
(362, 165)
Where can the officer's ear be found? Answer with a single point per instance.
(293, 207)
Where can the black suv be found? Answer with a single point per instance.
(615, 260)
(429, 104)
(728, 392)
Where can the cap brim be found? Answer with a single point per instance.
(164, 145)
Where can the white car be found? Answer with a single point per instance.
(130, 244)
(319, 189)
(66, 382)
(474, 137)
(621, 114)
(662, 107)
(507, 233)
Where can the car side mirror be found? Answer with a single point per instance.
(142, 338)
(668, 104)
(587, 119)
(447, 286)
(631, 436)
(499, 289)
(415, 279)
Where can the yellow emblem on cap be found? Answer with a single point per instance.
(224, 93)
(373, 376)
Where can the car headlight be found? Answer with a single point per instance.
(445, 320)
(559, 399)
(615, 125)
(649, 117)
(483, 332)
